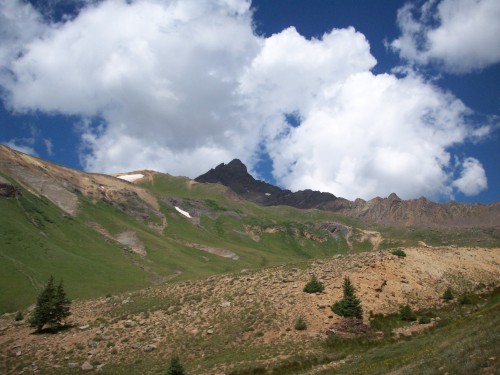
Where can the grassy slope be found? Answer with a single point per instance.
(464, 343)
(37, 240)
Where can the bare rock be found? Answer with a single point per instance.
(149, 348)
(86, 366)
(129, 324)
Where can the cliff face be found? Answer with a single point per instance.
(391, 210)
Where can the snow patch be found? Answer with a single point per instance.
(268, 194)
(131, 177)
(185, 213)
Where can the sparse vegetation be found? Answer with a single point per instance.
(466, 299)
(424, 320)
(300, 324)
(448, 294)
(19, 316)
(314, 286)
(350, 304)
(398, 252)
(175, 367)
(407, 314)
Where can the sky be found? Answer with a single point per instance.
(358, 98)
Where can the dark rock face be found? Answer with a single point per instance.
(9, 191)
(235, 176)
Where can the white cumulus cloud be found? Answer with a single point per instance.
(460, 35)
(181, 86)
(472, 179)
(361, 135)
(162, 73)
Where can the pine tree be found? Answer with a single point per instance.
(52, 306)
(448, 294)
(61, 304)
(314, 286)
(407, 314)
(43, 312)
(350, 305)
(175, 367)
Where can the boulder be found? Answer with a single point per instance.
(86, 366)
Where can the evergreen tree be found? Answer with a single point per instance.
(407, 314)
(52, 306)
(43, 312)
(61, 304)
(314, 286)
(175, 367)
(448, 294)
(350, 305)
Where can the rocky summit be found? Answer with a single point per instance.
(235, 175)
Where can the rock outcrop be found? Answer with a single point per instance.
(7, 190)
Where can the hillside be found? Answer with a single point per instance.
(93, 229)
(244, 321)
(159, 265)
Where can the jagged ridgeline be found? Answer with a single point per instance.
(108, 234)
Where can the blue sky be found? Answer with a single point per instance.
(359, 98)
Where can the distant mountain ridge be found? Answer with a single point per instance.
(386, 211)
(235, 176)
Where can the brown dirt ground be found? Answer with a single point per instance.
(204, 315)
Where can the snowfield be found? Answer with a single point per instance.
(185, 213)
(131, 177)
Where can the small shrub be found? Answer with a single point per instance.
(175, 367)
(448, 294)
(300, 324)
(424, 320)
(407, 314)
(466, 300)
(400, 253)
(314, 286)
(19, 316)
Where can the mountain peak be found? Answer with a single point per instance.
(235, 166)
(235, 176)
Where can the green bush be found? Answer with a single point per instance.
(424, 320)
(19, 316)
(448, 294)
(466, 300)
(314, 286)
(175, 367)
(300, 324)
(350, 305)
(407, 314)
(400, 253)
